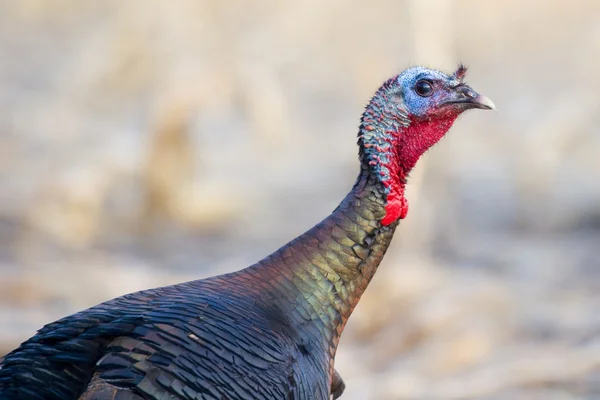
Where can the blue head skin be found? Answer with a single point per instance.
(427, 93)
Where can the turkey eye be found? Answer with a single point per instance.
(424, 88)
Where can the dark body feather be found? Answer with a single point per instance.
(269, 331)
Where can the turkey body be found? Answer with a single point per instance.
(269, 331)
(200, 340)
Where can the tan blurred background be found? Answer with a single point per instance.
(147, 142)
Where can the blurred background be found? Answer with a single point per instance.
(144, 143)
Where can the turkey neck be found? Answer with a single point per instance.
(324, 272)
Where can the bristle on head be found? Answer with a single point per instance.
(461, 72)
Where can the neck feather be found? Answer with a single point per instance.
(327, 269)
(323, 273)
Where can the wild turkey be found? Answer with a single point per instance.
(269, 331)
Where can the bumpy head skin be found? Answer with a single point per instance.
(407, 116)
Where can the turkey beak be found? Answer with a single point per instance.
(468, 98)
(482, 102)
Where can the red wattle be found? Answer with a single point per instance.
(396, 206)
(415, 140)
